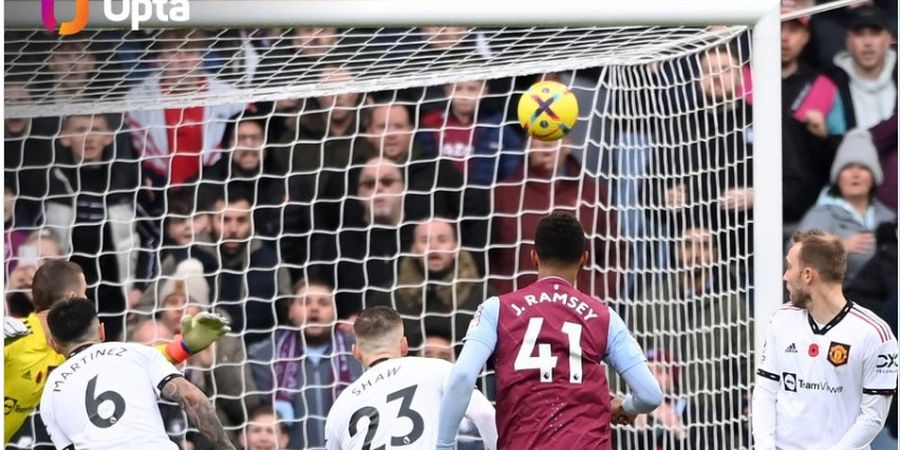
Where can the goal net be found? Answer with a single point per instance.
(290, 177)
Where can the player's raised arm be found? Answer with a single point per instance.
(199, 410)
(625, 356)
(480, 342)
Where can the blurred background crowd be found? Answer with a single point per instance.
(290, 217)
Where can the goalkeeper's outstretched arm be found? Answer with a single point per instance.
(197, 333)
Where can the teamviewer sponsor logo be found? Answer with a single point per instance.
(790, 381)
(793, 384)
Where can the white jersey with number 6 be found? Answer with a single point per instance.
(105, 397)
(396, 403)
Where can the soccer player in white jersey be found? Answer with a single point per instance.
(104, 396)
(829, 366)
(396, 402)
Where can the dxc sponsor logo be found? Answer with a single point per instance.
(137, 11)
(887, 363)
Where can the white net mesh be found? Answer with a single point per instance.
(131, 153)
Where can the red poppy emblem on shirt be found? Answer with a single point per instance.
(813, 350)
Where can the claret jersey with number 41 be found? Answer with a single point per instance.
(552, 391)
(105, 397)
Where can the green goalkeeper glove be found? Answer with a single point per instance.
(202, 330)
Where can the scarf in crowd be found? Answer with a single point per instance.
(289, 354)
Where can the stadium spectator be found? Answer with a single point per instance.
(884, 135)
(552, 180)
(175, 142)
(250, 278)
(319, 147)
(26, 158)
(480, 147)
(91, 209)
(433, 187)
(265, 430)
(179, 243)
(361, 258)
(438, 345)
(75, 70)
(849, 208)
(866, 73)
(694, 310)
(439, 285)
(37, 248)
(13, 237)
(710, 174)
(664, 428)
(325, 137)
(306, 363)
(246, 163)
(813, 121)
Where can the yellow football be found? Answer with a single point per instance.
(548, 110)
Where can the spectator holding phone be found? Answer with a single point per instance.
(40, 246)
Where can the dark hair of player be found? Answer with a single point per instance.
(71, 320)
(375, 322)
(822, 252)
(53, 281)
(559, 239)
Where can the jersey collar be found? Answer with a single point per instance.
(831, 323)
(79, 349)
(378, 361)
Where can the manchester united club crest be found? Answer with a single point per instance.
(838, 354)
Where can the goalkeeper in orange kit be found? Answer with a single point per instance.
(28, 359)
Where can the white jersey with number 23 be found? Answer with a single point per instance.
(396, 403)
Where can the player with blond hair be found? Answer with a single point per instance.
(395, 402)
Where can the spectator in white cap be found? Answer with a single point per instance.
(219, 371)
(185, 292)
(848, 208)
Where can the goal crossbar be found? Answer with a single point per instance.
(395, 13)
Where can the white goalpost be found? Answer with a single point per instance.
(679, 126)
